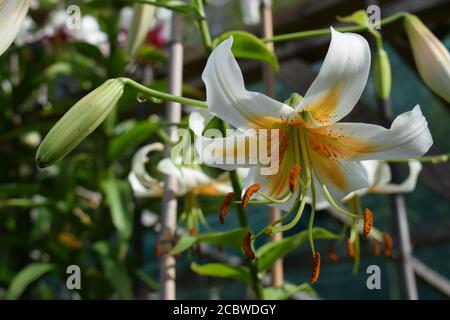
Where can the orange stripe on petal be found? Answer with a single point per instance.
(323, 109)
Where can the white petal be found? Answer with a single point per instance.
(406, 186)
(340, 177)
(229, 100)
(340, 82)
(12, 14)
(140, 159)
(220, 152)
(407, 138)
(141, 191)
(199, 119)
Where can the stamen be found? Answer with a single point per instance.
(247, 246)
(315, 268)
(376, 248)
(368, 222)
(157, 249)
(388, 244)
(225, 206)
(351, 249)
(249, 193)
(193, 231)
(332, 254)
(294, 174)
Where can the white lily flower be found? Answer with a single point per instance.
(431, 56)
(12, 14)
(309, 133)
(379, 175)
(189, 180)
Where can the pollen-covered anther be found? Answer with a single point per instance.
(294, 174)
(225, 206)
(193, 231)
(332, 254)
(376, 248)
(249, 193)
(247, 246)
(157, 249)
(315, 272)
(351, 249)
(368, 222)
(388, 244)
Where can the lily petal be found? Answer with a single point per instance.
(12, 14)
(142, 184)
(408, 137)
(229, 100)
(199, 119)
(340, 176)
(406, 186)
(229, 153)
(340, 82)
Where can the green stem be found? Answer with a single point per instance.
(433, 159)
(203, 26)
(327, 31)
(148, 92)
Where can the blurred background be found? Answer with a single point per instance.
(61, 216)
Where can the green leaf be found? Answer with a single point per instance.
(287, 291)
(274, 250)
(118, 195)
(145, 278)
(130, 139)
(115, 271)
(185, 242)
(232, 238)
(248, 46)
(25, 277)
(358, 17)
(222, 270)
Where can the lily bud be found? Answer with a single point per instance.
(140, 24)
(431, 57)
(83, 118)
(12, 14)
(383, 78)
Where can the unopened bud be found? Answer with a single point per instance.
(83, 118)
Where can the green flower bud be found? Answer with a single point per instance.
(140, 24)
(83, 118)
(431, 57)
(383, 77)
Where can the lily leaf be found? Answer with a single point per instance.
(358, 17)
(232, 238)
(272, 251)
(131, 138)
(222, 270)
(25, 277)
(248, 46)
(287, 291)
(118, 195)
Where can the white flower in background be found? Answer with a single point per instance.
(12, 15)
(189, 179)
(251, 11)
(431, 56)
(89, 30)
(379, 175)
(310, 136)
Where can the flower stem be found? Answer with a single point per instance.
(152, 93)
(327, 31)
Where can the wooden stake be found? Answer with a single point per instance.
(268, 74)
(167, 272)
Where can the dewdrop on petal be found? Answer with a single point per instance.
(83, 118)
